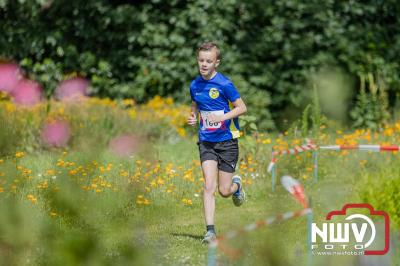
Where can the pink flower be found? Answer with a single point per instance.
(72, 89)
(27, 92)
(56, 133)
(10, 75)
(124, 145)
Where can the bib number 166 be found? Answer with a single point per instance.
(211, 125)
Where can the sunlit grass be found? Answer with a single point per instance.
(85, 204)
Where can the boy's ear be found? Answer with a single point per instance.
(217, 63)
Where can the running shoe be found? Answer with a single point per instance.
(239, 196)
(209, 237)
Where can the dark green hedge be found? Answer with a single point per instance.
(142, 48)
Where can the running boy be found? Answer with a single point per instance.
(217, 100)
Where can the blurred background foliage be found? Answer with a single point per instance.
(271, 49)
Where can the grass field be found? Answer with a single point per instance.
(83, 205)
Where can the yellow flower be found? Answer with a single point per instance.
(43, 185)
(128, 102)
(146, 202)
(132, 113)
(10, 107)
(139, 201)
(123, 173)
(32, 198)
(388, 132)
(73, 172)
(181, 132)
(187, 201)
(19, 154)
(50, 172)
(296, 142)
(266, 141)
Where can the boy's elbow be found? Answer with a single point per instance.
(244, 109)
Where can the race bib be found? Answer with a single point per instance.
(210, 125)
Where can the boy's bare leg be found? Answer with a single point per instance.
(210, 173)
(226, 187)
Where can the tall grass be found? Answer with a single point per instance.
(83, 205)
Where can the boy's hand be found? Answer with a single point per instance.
(215, 118)
(192, 119)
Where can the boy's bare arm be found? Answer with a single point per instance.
(240, 108)
(194, 108)
(192, 119)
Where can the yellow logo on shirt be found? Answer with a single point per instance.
(214, 93)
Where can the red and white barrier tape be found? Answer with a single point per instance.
(295, 150)
(374, 148)
(295, 188)
(311, 146)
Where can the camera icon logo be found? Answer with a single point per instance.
(355, 234)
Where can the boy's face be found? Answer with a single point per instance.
(208, 63)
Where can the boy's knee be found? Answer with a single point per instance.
(209, 188)
(224, 192)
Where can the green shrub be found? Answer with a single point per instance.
(148, 48)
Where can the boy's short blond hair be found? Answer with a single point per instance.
(208, 46)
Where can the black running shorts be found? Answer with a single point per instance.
(226, 153)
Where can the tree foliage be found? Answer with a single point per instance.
(142, 48)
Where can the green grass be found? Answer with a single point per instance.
(109, 228)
